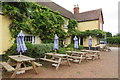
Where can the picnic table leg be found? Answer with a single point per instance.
(68, 61)
(8, 60)
(58, 63)
(17, 68)
(98, 55)
(86, 57)
(80, 59)
(34, 67)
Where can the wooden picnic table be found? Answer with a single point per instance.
(21, 60)
(77, 55)
(73, 52)
(93, 53)
(60, 57)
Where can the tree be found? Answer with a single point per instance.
(117, 35)
(108, 34)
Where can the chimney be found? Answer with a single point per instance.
(76, 9)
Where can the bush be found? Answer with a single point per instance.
(70, 46)
(62, 51)
(41, 49)
(80, 47)
(69, 49)
(113, 40)
(35, 51)
(13, 50)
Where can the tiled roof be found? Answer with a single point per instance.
(88, 15)
(84, 16)
(56, 7)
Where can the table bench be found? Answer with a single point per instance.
(21, 60)
(8, 67)
(77, 55)
(56, 55)
(92, 54)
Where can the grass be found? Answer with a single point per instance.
(78, 72)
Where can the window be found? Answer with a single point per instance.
(66, 24)
(30, 39)
(101, 28)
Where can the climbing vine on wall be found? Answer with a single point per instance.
(72, 30)
(95, 33)
(71, 26)
(41, 21)
(35, 20)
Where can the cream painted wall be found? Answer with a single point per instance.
(37, 40)
(68, 40)
(6, 39)
(94, 41)
(88, 25)
(0, 34)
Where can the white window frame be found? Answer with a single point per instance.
(30, 39)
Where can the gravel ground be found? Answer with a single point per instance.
(106, 67)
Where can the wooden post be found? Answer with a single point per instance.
(17, 68)
(59, 61)
(34, 66)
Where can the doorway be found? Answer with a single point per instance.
(80, 40)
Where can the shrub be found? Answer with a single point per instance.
(62, 51)
(41, 49)
(35, 51)
(69, 49)
(13, 50)
(70, 46)
(80, 47)
(113, 40)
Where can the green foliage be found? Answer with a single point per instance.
(113, 40)
(41, 49)
(35, 51)
(70, 46)
(117, 35)
(80, 47)
(94, 33)
(71, 26)
(62, 51)
(35, 20)
(108, 34)
(13, 50)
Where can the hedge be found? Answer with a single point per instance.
(35, 51)
(113, 40)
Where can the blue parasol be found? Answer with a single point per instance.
(75, 42)
(56, 42)
(21, 47)
(90, 42)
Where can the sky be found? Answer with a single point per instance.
(109, 9)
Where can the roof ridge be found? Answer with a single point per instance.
(61, 7)
(91, 10)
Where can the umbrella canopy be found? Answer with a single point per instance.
(21, 47)
(56, 42)
(105, 41)
(75, 42)
(90, 41)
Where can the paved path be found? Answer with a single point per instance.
(106, 67)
